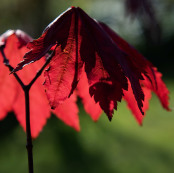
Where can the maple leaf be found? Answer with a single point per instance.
(12, 96)
(152, 78)
(113, 68)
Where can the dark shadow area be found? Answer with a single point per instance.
(74, 156)
(7, 125)
(161, 55)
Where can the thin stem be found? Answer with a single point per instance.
(41, 70)
(29, 144)
(26, 89)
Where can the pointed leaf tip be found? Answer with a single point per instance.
(110, 119)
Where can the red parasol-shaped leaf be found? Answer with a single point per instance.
(109, 63)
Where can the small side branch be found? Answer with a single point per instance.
(6, 63)
(41, 70)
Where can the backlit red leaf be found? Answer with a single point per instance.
(131, 102)
(109, 63)
(87, 37)
(15, 50)
(68, 112)
(64, 69)
(151, 77)
(159, 89)
(12, 96)
(49, 38)
(92, 108)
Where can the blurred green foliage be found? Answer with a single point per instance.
(120, 146)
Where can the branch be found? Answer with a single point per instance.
(41, 70)
(29, 144)
(6, 63)
(26, 89)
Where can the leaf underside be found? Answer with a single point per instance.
(113, 68)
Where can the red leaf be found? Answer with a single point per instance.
(49, 38)
(64, 69)
(8, 88)
(7, 95)
(68, 112)
(131, 102)
(109, 62)
(12, 96)
(15, 50)
(133, 65)
(159, 87)
(62, 72)
(104, 74)
(152, 78)
(92, 108)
